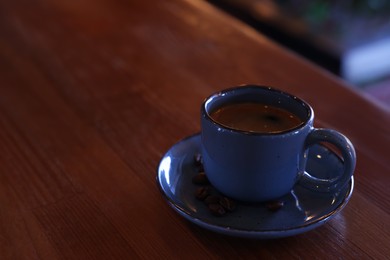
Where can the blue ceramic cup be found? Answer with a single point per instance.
(254, 166)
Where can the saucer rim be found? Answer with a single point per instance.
(238, 232)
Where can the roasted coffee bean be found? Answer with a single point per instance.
(198, 159)
(274, 205)
(212, 199)
(200, 179)
(202, 193)
(227, 204)
(217, 210)
(200, 168)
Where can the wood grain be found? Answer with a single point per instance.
(94, 92)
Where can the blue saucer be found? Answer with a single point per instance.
(303, 209)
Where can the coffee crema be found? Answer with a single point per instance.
(256, 117)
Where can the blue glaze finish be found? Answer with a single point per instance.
(348, 153)
(255, 167)
(243, 166)
(304, 209)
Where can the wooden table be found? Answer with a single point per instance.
(93, 93)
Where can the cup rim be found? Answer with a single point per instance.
(205, 113)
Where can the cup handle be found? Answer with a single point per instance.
(347, 151)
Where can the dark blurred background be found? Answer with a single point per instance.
(350, 38)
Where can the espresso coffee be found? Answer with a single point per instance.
(255, 117)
